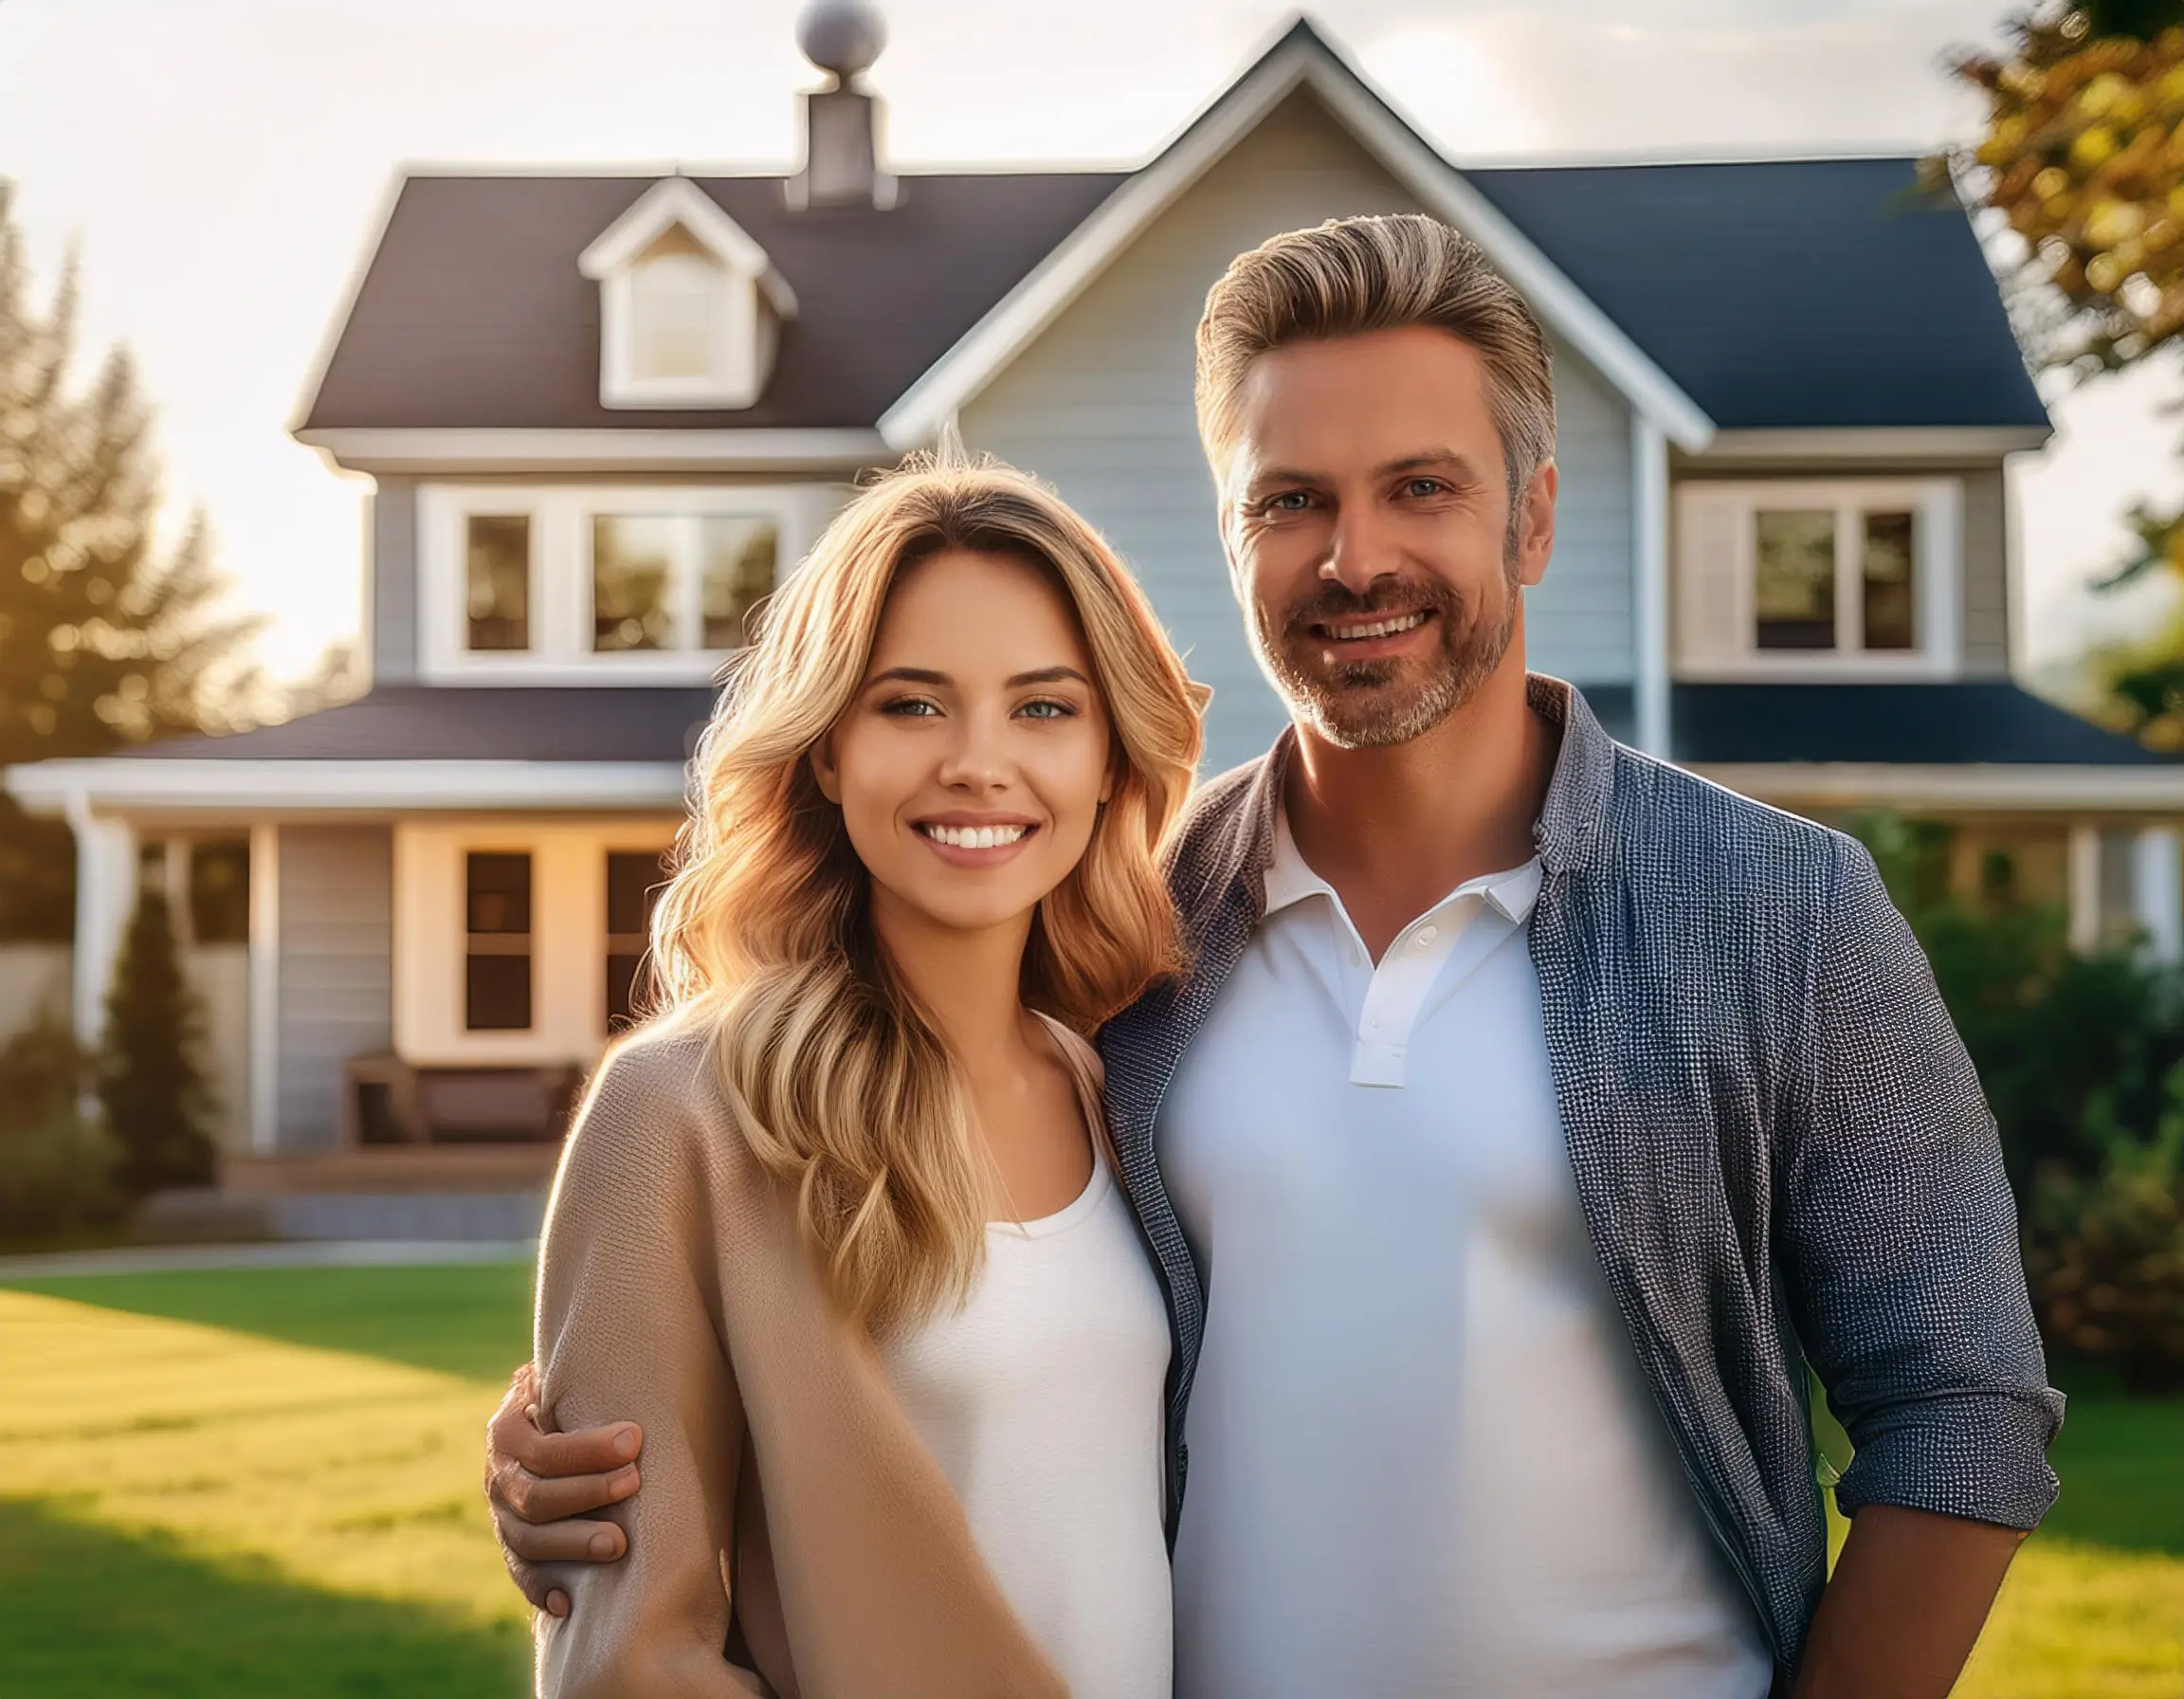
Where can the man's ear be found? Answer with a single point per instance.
(1536, 542)
(825, 772)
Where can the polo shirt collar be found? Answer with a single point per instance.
(1566, 834)
(1290, 879)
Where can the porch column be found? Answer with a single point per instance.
(106, 882)
(1649, 586)
(264, 1046)
(2084, 887)
(2158, 891)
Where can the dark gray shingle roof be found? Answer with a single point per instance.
(1892, 724)
(449, 723)
(473, 313)
(1786, 293)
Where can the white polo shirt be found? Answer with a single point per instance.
(1422, 1458)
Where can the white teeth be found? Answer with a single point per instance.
(973, 837)
(1385, 627)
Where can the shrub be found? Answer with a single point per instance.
(152, 1079)
(2106, 1255)
(56, 1166)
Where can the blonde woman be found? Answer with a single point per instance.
(837, 1228)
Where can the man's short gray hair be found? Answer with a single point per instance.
(1353, 275)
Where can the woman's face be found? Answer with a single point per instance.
(970, 765)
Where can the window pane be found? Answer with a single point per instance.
(499, 893)
(674, 298)
(633, 882)
(497, 580)
(739, 555)
(497, 993)
(220, 893)
(1793, 589)
(633, 878)
(632, 574)
(1890, 583)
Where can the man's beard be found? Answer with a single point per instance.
(1360, 705)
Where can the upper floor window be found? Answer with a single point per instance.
(690, 307)
(1818, 578)
(552, 584)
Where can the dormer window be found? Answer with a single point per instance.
(690, 307)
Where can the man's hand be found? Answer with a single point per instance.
(538, 1483)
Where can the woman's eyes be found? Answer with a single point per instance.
(918, 707)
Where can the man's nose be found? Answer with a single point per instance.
(1360, 549)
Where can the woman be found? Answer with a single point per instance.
(837, 1227)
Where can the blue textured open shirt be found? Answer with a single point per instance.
(1781, 1151)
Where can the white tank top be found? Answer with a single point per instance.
(1042, 1401)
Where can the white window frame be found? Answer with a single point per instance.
(1712, 643)
(568, 937)
(560, 583)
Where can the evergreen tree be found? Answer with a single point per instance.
(152, 1080)
(105, 640)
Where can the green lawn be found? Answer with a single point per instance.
(264, 1483)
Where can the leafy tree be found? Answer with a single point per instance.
(2084, 156)
(152, 1080)
(105, 640)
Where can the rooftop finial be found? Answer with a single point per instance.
(841, 36)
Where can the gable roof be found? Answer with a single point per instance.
(473, 313)
(1787, 293)
(1758, 294)
(1300, 59)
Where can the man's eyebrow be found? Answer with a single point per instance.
(1272, 475)
(1429, 459)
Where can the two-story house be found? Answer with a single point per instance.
(602, 414)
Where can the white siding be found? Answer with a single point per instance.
(1102, 406)
(337, 969)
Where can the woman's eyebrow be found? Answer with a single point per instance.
(909, 675)
(1048, 675)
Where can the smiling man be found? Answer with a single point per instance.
(1532, 1115)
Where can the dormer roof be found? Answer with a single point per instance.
(677, 201)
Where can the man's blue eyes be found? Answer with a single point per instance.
(1298, 500)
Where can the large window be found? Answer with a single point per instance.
(556, 585)
(519, 942)
(1809, 578)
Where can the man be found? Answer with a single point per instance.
(1532, 1115)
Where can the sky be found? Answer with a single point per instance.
(219, 167)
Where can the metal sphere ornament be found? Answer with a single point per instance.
(841, 36)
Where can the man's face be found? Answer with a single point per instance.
(1368, 525)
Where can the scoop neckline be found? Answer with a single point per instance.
(1069, 1215)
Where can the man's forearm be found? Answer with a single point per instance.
(1905, 1605)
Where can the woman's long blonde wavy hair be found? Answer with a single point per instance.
(840, 1080)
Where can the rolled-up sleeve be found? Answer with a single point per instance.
(628, 1329)
(1900, 1235)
